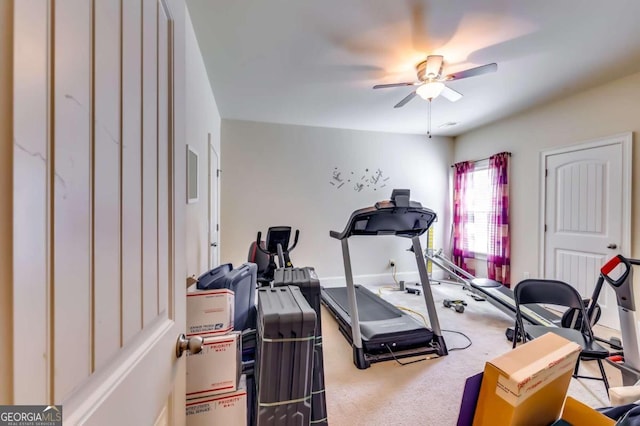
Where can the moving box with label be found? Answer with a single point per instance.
(527, 385)
(216, 369)
(224, 409)
(209, 312)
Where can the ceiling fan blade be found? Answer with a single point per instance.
(450, 94)
(472, 72)
(434, 66)
(384, 86)
(405, 100)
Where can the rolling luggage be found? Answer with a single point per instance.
(284, 358)
(307, 280)
(248, 369)
(242, 281)
(206, 280)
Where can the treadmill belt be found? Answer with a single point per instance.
(370, 306)
(382, 325)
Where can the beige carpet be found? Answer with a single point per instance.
(428, 392)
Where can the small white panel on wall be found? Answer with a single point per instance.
(192, 175)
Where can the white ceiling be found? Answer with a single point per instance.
(315, 62)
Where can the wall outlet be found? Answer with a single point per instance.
(392, 263)
(526, 275)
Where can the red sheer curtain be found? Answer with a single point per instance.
(498, 255)
(462, 217)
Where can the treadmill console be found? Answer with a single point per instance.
(399, 216)
(400, 198)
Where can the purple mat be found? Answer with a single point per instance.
(469, 400)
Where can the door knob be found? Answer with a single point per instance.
(214, 244)
(612, 246)
(193, 344)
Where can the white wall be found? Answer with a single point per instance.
(6, 207)
(202, 118)
(278, 174)
(603, 111)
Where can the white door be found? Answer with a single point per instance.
(214, 214)
(99, 295)
(586, 212)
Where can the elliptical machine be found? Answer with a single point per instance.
(263, 253)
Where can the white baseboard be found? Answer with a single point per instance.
(373, 279)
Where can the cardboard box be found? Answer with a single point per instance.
(216, 369)
(576, 413)
(527, 386)
(209, 312)
(225, 409)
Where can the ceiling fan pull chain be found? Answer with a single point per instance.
(429, 120)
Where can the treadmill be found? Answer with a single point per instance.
(377, 330)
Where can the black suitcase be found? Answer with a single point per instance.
(284, 357)
(307, 280)
(209, 278)
(248, 369)
(242, 281)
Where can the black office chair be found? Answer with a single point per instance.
(562, 294)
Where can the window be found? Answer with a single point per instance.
(481, 215)
(478, 203)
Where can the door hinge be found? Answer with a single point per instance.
(217, 227)
(218, 172)
(546, 172)
(545, 227)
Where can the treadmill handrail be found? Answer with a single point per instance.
(358, 223)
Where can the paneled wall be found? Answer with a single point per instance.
(93, 183)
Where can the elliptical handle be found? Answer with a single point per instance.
(295, 241)
(258, 241)
(611, 265)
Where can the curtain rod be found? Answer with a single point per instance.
(481, 159)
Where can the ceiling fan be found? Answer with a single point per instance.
(431, 81)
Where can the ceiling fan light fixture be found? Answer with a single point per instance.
(430, 90)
